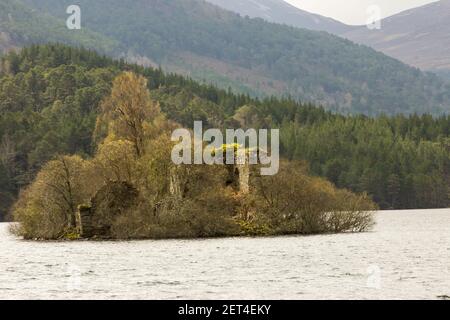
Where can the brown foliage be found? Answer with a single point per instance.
(129, 112)
(294, 202)
(46, 209)
(140, 193)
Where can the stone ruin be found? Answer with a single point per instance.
(110, 201)
(238, 176)
(115, 197)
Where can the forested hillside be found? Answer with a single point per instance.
(256, 57)
(21, 25)
(50, 96)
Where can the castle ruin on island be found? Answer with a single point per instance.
(115, 197)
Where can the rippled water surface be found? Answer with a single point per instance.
(406, 256)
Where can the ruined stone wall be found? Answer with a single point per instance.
(84, 221)
(110, 201)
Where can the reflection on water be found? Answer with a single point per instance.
(406, 256)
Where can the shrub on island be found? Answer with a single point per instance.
(132, 190)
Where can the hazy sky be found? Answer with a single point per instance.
(355, 11)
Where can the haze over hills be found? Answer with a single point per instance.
(419, 37)
(21, 24)
(279, 11)
(252, 56)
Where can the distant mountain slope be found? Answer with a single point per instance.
(419, 37)
(21, 25)
(253, 56)
(282, 12)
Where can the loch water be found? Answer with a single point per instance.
(405, 256)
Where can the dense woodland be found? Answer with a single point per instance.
(250, 55)
(50, 98)
(131, 188)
